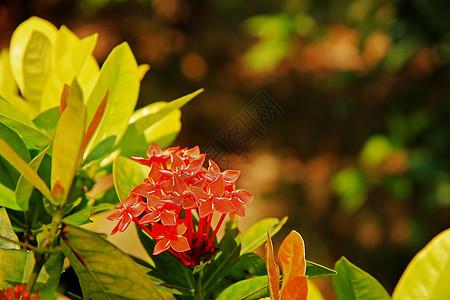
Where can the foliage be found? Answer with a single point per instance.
(65, 123)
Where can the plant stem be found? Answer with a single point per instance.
(40, 261)
(41, 258)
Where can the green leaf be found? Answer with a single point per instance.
(8, 86)
(48, 120)
(168, 268)
(68, 140)
(158, 122)
(163, 132)
(18, 265)
(250, 264)
(19, 41)
(81, 217)
(24, 189)
(7, 198)
(252, 288)
(256, 235)
(224, 260)
(23, 126)
(8, 174)
(70, 55)
(428, 274)
(127, 174)
(353, 283)
(119, 75)
(36, 67)
(314, 270)
(7, 231)
(31, 175)
(104, 271)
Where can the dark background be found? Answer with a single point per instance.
(358, 153)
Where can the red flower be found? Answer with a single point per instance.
(155, 154)
(177, 180)
(240, 199)
(170, 237)
(18, 292)
(166, 212)
(128, 209)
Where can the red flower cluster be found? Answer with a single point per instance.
(18, 292)
(177, 190)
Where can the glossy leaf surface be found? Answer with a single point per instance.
(428, 274)
(158, 122)
(70, 55)
(7, 231)
(24, 189)
(252, 288)
(256, 235)
(22, 125)
(104, 271)
(36, 67)
(18, 265)
(68, 139)
(168, 268)
(31, 175)
(314, 270)
(127, 174)
(20, 40)
(352, 283)
(119, 75)
(291, 257)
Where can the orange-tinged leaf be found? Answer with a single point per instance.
(273, 271)
(95, 121)
(296, 288)
(64, 98)
(57, 190)
(291, 257)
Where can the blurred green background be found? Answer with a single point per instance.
(360, 159)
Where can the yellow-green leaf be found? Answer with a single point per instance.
(162, 132)
(8, 86)
(68, 140)
(18, 265)
(7, 198)
(256, 235)
(22, 125)
(127, 174)
(313, 292)
(142, 70)
(24, 189)
(7, 231)
(119, 75)
(22, 166)
(20, 40)
(428, 274)
(36, 67)
(70, 55)
(104, 271)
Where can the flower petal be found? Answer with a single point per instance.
(223, 205)
(180, 244)
(152, 217)
(161, 246)
(216, 187)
